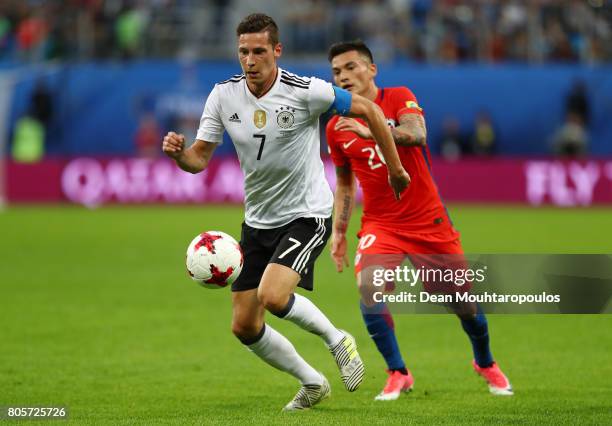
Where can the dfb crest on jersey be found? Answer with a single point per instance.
(285, 117)
(259, 118)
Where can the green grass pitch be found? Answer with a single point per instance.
(99, 315)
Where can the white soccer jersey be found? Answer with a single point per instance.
(277, 140)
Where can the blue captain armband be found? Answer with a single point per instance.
(342, 102)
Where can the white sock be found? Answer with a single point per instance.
(305, 314)
(277, 350)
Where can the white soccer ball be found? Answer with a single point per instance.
(214, 259)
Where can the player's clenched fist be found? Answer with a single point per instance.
(173, 144)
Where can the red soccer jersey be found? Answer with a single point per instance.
(420, 210)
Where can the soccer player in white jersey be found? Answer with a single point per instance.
(272, 117)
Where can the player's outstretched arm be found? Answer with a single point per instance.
(344, 200)
(374, 117)
(193, 159)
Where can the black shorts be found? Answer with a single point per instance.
(295, 245)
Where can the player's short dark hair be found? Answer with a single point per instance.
(348, 46)
(259, 23)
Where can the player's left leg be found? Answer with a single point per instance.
(293, 264)
(449, 254)
(477, 329)
(275, 349)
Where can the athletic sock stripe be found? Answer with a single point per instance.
(320, 232)
(299, 257)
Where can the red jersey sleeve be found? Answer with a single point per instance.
(405, 102)
(337, 155)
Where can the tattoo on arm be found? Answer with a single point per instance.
(345, 203)
(346, 209)
(411, 131)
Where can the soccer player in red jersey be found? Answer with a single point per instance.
(413, 227)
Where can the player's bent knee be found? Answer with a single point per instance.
(246, 332)
(273, 302)
(367, 287)
(465, 311)
(365, 278)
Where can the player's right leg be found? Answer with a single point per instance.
(293, 263)
(277, 294)
(376, 316)
(476, 327)
(381, 327)
(272, 347)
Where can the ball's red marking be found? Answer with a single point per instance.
(219, 277)
(207, 240)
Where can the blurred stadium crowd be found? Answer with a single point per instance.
(437, 31)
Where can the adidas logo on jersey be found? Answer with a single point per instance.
(234, 118)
